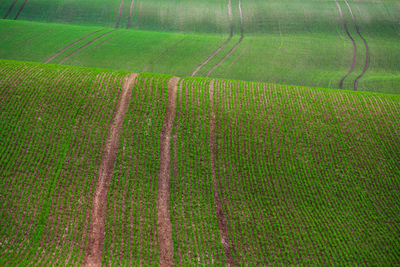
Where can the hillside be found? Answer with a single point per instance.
(352, 45)
(102, 166)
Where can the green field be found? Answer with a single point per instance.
(199, 133)
(313, 184)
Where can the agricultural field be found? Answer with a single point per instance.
(199, 133)
(350, 45)
(256, 173)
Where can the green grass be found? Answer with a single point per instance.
(307, 176)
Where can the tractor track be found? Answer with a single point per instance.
(354, 45)
(161, 55)
(20, 10)
(70, 45)
(164, 225)
(85, 45)
(10, 9)
(223, 229)
(96, 234)
(120, 14)
(130, 14)
(366, 48)
(235, 46)
(222, 46)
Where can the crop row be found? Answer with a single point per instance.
(54, 123)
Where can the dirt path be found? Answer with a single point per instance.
(236, 45)
(96, 232)
(366, 48)
(130, 14)
(20, 9)
(9, 9)
(218, 203)
(120, 14)
(354, 45)
(85, 45)
(222, 46)
(162, 54)
(70, 45)
(164, 225)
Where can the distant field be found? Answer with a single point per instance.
(312, 59)
(283, 174)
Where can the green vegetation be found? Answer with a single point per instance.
(53, 125)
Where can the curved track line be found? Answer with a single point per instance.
(223, 229)
(236, 45)
(85, 45)
(70, 45)
(9, 9)
(164, 225)
(20, 9)
(162, 54)
(96, 233)
(354, 46)
(222, 46)
(366, 48)
(120, 14)
(130, 14)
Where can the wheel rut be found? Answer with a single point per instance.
(120, 14)
(10, 9)
(96, 234)
(354, 45)
(164, 225)
(223, 229)
(70, 45)
(235, 46)
(365, 44)
(130, 14)
(85, 45)
(222, 46)
(20, 10)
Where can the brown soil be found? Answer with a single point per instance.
(222, 46)
(354, 45)
(235, 46)
(164, 225)
(218, 203)
(70, 45)
(130, 14)
(96, 232)
(120, 14)
(20, 10)
(366, 48)
(85, 45)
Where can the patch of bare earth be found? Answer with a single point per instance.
(218, 203)
(164, 225)
(96, 232)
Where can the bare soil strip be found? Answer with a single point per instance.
(222, 46)
(366, 48)
(9, 9)
(354, 45)
(130, 14)
(96, 232)
(236, 45)
(20, 9)
(120, 14)
(164, 225)
(85, 45)
(162, 54)
(70, 45)
(218, 203)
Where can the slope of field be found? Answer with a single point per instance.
(312, 59)
(260, 174)
(54, 122)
